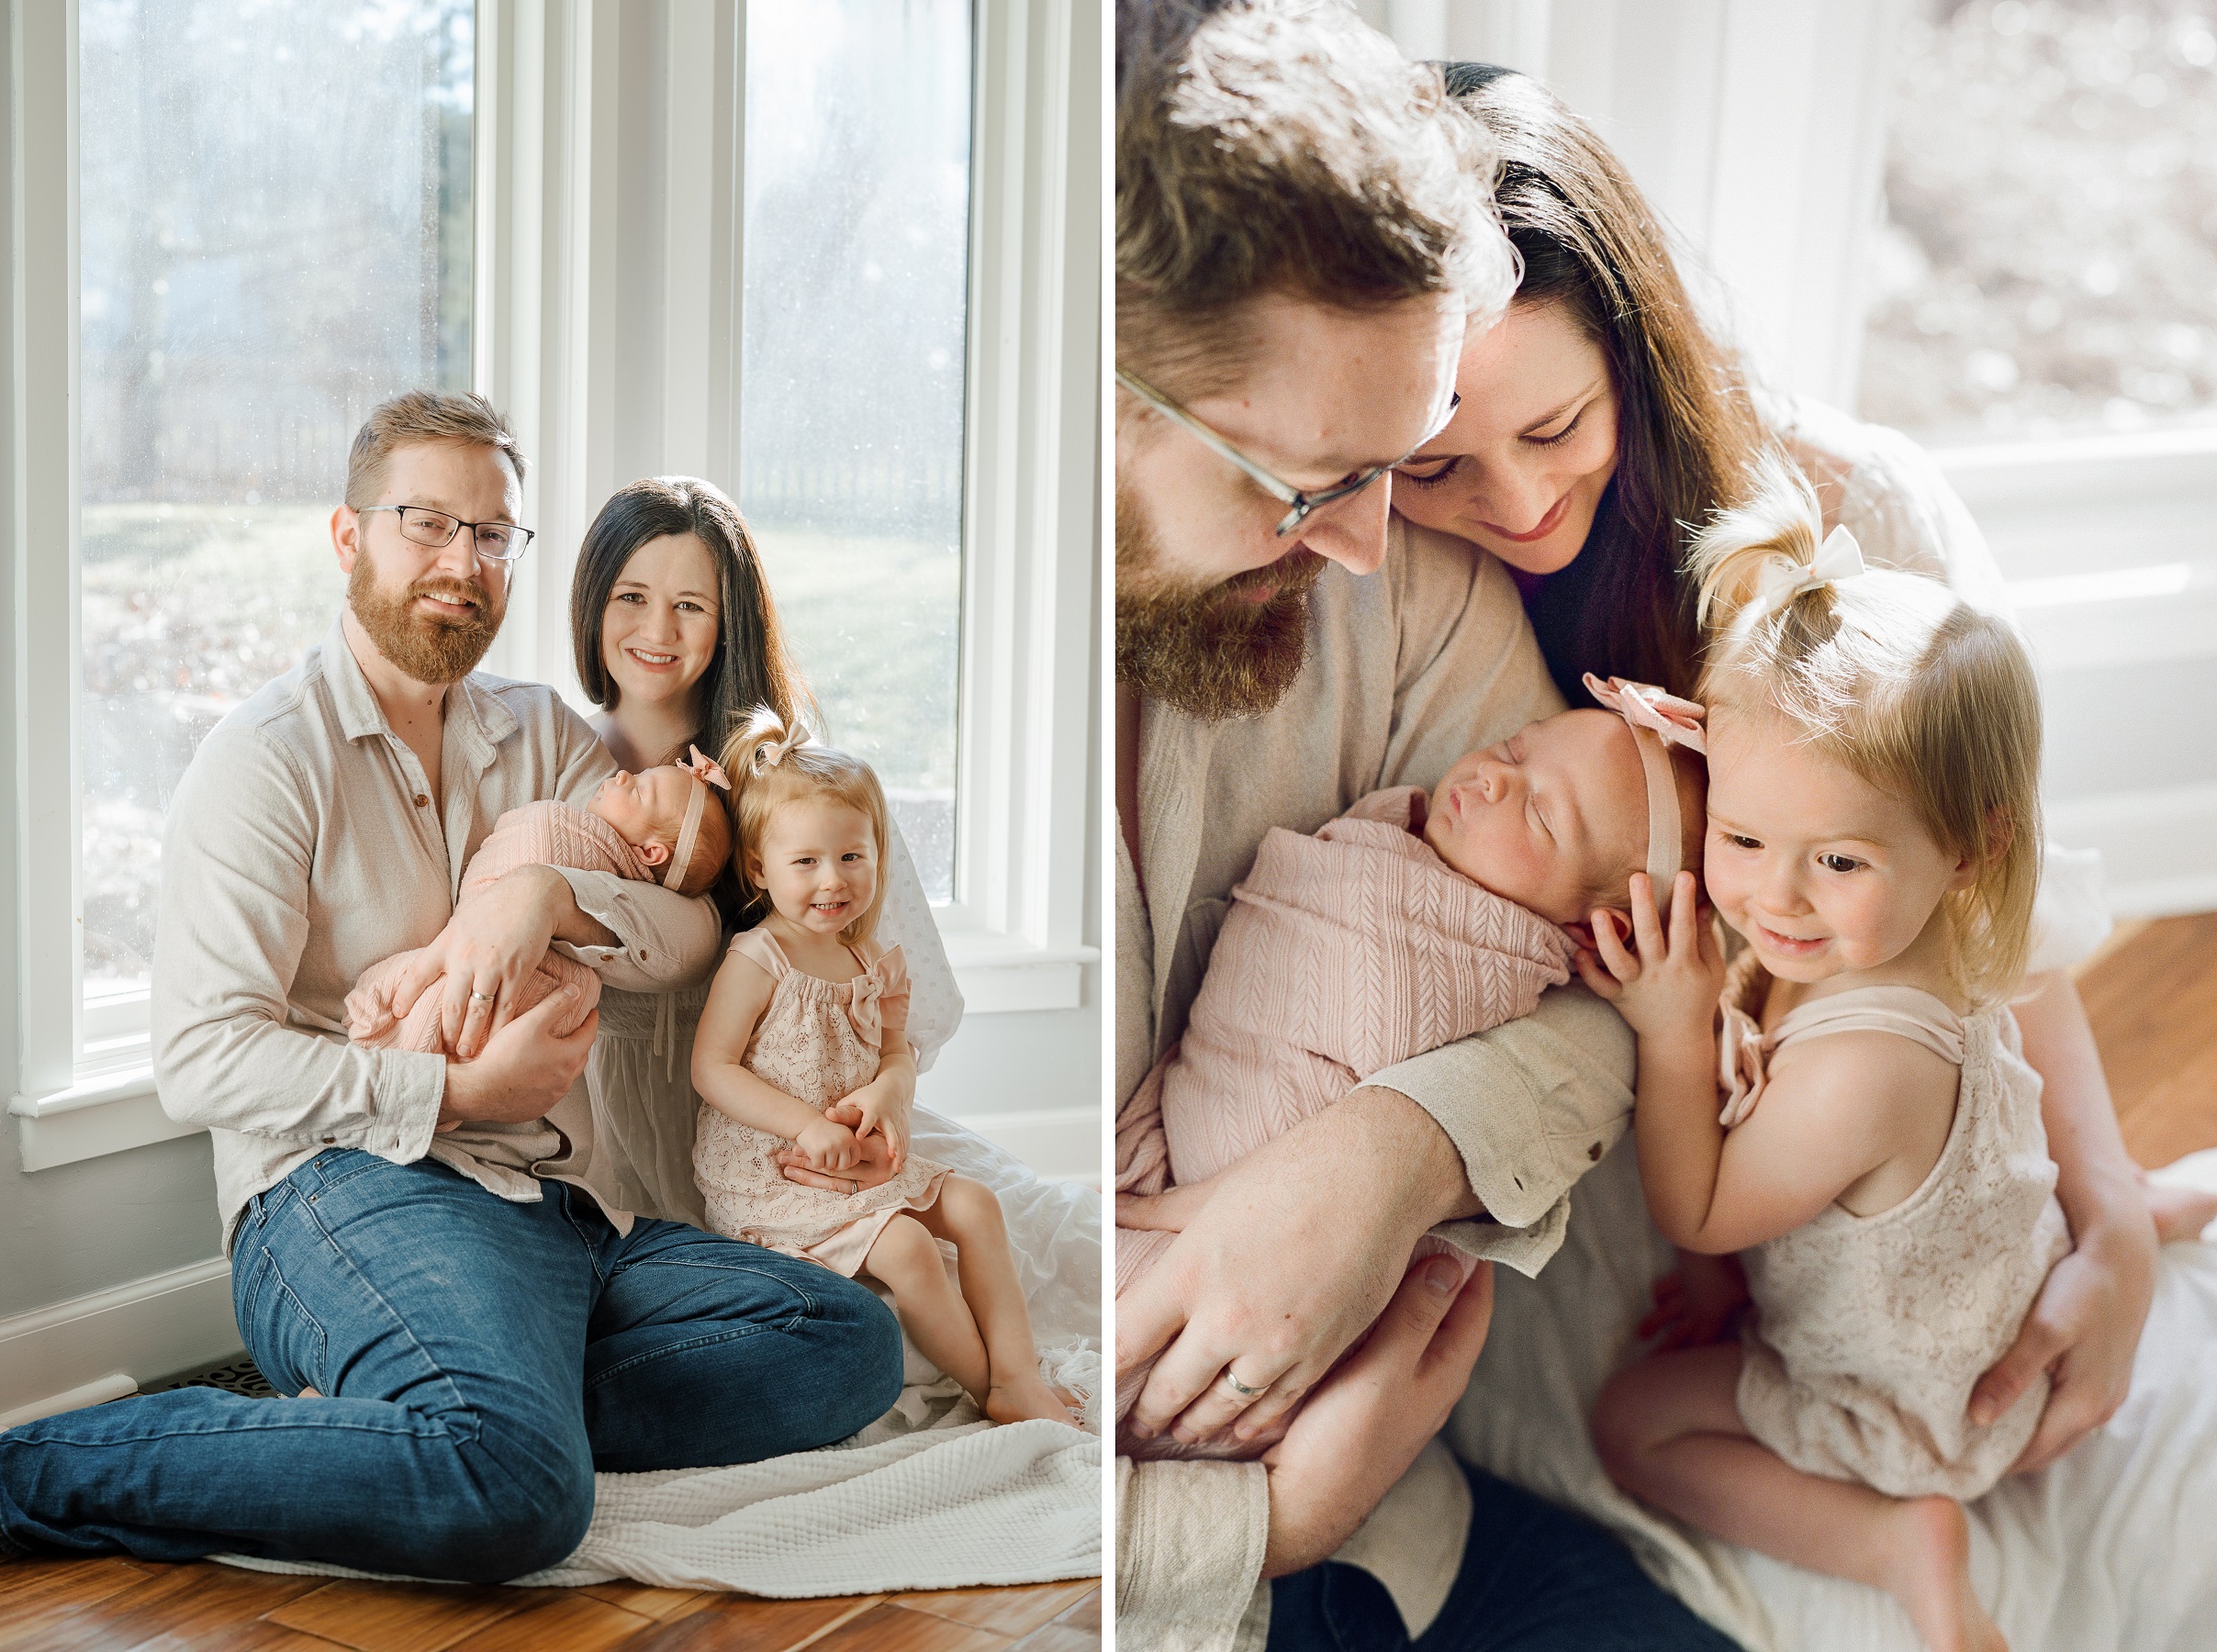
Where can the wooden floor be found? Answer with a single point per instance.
(2151, 996)
(119, 1605)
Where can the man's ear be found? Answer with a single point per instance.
(654, 851)
(346, 530)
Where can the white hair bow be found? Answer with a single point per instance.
(1840, 557)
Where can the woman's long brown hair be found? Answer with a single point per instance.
(1687, 430)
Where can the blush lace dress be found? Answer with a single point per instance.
(1872, 1330)
(818, 1041)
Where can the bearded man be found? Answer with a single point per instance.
(1303, 230)
(417, 1251)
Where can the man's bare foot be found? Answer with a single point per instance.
(1029, 1397)
(1930, 1576)
(2180, 1213)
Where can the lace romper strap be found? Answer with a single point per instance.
(759, 946)
(1743, 1049)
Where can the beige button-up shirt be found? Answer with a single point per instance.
(1408, 669)
(304, 845)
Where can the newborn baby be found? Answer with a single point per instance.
(1410, 922)
(660, 825)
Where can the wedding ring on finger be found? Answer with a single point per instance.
(1241, 1388)
(481, 998)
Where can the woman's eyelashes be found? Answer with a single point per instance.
(1560, 437)
(1449, 467)
(1446, 470)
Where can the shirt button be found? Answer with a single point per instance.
(421, 802)
(642, 954)
(329, 1140)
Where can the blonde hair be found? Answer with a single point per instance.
(769, 766)
(1898, 679)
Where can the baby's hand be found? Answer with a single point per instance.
(1695, 1306)
(1670, 988)
(828, 1145)
(880, 1111)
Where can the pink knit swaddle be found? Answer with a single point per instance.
(1342, 953)
(538, 834)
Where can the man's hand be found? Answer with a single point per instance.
(1366, 1422)
(1169, 1211)
(494, 939)
(524, 1071)
(1282, 1270)
(2083, 1330)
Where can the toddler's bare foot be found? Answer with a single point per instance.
(1932, 1577)
(1026, 1396)
(2180, 1213)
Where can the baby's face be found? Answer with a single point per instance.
(647, 808)
(1549, 817)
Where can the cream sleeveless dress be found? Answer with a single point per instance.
(817, 1041)
(1872, 1330)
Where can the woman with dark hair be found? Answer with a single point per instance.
(678, 638)
(1601, 424)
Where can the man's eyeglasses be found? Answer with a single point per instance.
(1302, 503)
(495, 541)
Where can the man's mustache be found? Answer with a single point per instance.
(448, 591)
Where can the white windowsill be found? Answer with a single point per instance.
(112, 1113)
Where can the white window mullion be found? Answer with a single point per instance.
(48, 876)
(1015, 932)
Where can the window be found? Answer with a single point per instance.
(857, 191)
(258, 268)
(2048, 263)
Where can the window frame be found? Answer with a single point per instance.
(558, 327)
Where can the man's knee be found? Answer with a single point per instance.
(862, 1352)
(512, 1521)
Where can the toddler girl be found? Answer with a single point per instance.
(801, 1043)
(655, 826)
(1410, 922)
(1879, 1161)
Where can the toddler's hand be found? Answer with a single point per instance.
(829, 1147)
(1695, 1306)
(878, 1109)
(1670, 988)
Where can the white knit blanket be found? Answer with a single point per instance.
(928, 1496)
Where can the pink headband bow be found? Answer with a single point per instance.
(1658, 721)
(704, 769)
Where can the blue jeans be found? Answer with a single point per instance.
(480, 1359)
(1535, 1578)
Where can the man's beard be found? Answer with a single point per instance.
(429, 648)
(1209, 653)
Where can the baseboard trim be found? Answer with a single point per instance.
(1060, 1143)
(2158, 848)
(146, 1328)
